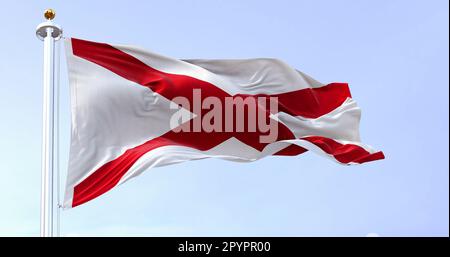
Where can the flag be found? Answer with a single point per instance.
(133, 109)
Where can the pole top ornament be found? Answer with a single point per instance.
(48, 27)
(49, 14)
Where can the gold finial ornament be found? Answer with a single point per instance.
(48, 28)
(49, 14)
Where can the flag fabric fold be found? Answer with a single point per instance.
(124, 100)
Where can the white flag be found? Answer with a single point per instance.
(133, 110)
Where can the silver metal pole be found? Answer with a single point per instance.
(56, 143)
(49, 33)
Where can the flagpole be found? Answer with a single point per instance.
(49, 33)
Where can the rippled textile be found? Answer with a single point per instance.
(121, 100)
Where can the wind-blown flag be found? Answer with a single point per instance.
(133, 109)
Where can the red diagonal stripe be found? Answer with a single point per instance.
(309, 102)
(344, 153)
(107, 176)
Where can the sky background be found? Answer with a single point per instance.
(394, 55)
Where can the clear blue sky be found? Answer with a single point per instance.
(394, 54)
